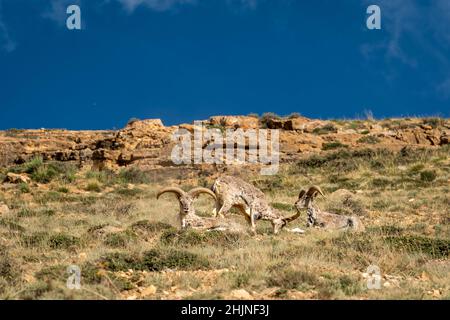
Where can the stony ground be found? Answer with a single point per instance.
(128, 245)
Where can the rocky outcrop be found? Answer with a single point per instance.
(16, 178)
(235, 122)
(149, 144)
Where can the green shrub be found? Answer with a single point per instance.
(283, 206)
(55, 273)
(120, 262)
(63, 190)
(44, 174)
(267, 116)
(187, 238)
(128, 192)
(428, 176)
(157, 260)
(93, 187)
(36, 239)
(433, 122)
(326, 129)
(62, 241)
(24, 187)
(333, 145)
(119, 239)
(11, 225)
(154, 260)
(133, 175)
(381, 182)
(291, 279)
(26, 212)
(433, 247)
(9, 267)
(32, 165)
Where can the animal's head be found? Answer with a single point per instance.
(186, 199)
(279, 224)
(305, 198)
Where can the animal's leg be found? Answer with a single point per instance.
(226, 206)
(252, 222)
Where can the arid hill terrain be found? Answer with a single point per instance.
(147, 144)
(88, 198)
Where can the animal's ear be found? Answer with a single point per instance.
(301, 194)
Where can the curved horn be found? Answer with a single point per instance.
(196, 191)
(292, 218)
(301, 194)
(313, 190)
(175, 190)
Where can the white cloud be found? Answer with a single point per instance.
(6, 42)
(400, 19)
(426, 26)
(57, 10)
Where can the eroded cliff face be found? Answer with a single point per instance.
(148, 143)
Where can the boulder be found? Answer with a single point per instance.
(3, 208)
(298, 123)
(16, 178)
(235, 122)
(241, 294)
(147, 124)
(445, 139)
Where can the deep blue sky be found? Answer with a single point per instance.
(181, 60)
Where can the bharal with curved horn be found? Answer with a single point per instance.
(323, 219)
(188, 217)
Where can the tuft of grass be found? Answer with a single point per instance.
(119, 239)
(381, 183)
(62, 241)
(369, 140)
(125, 192)
(93, 187)
(158, 259)
(283, 206)
(187, 238)
(63, 190)
(428, 175)
(267, 116)
(333, 145)
(292, 279)
(326, 129)
(11, 225)
(151, 227)
(133, 175)
(9, 267)
(155, 260)
(433, 247)
(24, 187)
(434, 122)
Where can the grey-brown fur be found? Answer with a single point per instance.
(249, 200)
(188, 217)
(323, 219)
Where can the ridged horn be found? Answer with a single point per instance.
(292, 218)
(312, 192)
(175, 190)
(197, 191)
(301, 194)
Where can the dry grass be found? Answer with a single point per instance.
(128, 245)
